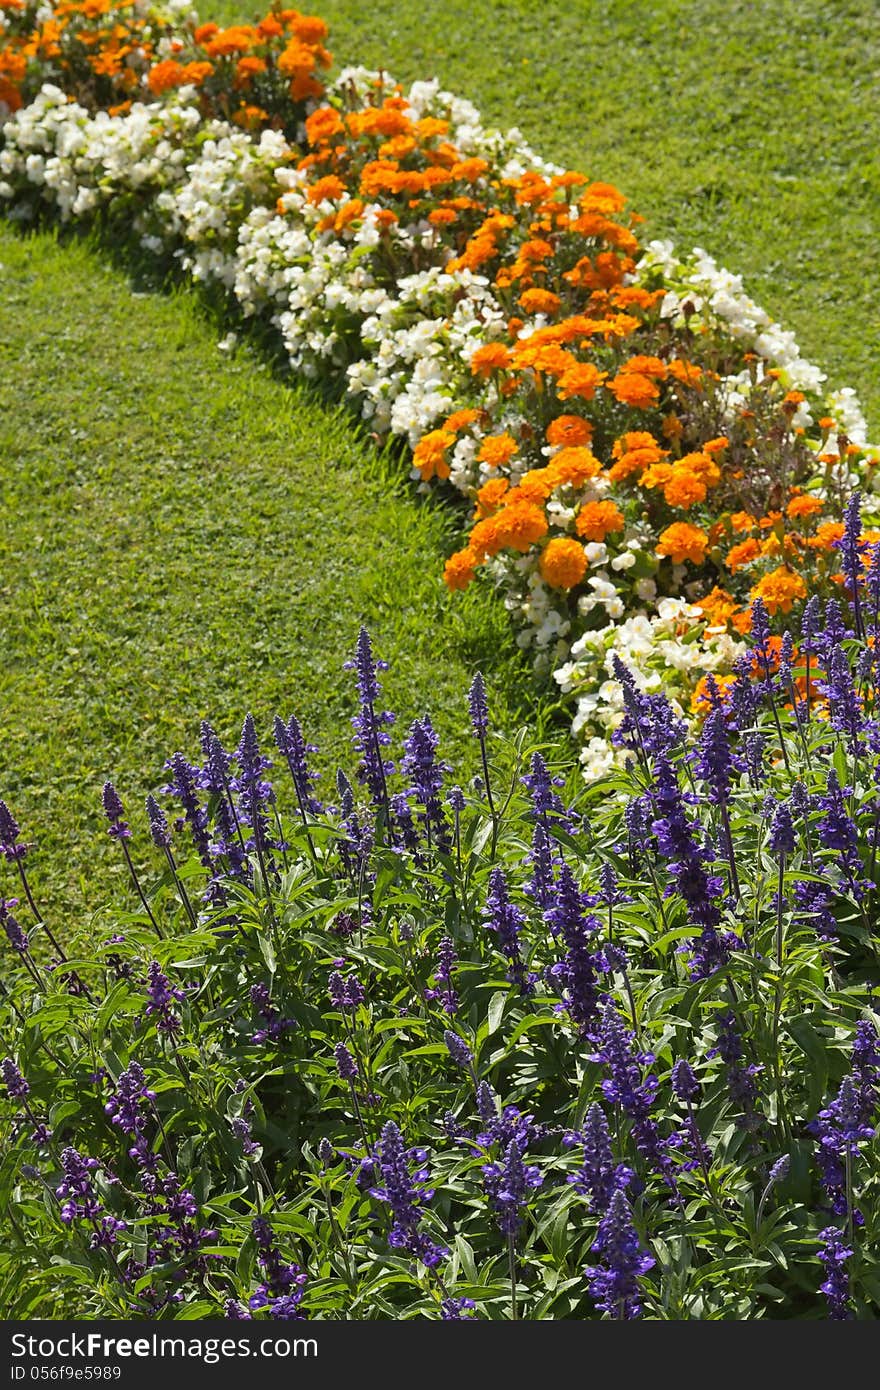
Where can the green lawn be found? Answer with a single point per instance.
(182, 535)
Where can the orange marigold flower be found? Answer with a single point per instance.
(10, 96)
(534, 486)
(718, 607)
(459, 569)
(575, 465)
(536, 301)
(804, 505)
(492, 357)
(224, 42)
(429, 455)
(826, 535)
(685, 372)
(702, 701)
(460, 419)
(323, 125)
(716, 446)
(569, 429)
(309, 28)
(743, 521)
(329, 187)
(485, 539)
(563, 563)
(779, 589)
(646, 366)
(682, 541)
(497, 450)
(165, 75)
(442, 217)
(194, 74)
(742, 554)
(249, 67)
(596, 520)
(684, 489)
(580, 379)
(490, 496)
(520, 525)
(205, 32)
(635, 389)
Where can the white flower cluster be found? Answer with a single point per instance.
(704, 293)
(235, 209)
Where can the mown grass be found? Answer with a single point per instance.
(183, 536)
(743, 126)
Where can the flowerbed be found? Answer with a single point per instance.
(644, 449)
(472, 1052)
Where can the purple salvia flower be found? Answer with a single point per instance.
(852, 547)
(234, 1311)
(626, 1086)
(678, 843)
(273, 1025)
(76, 1191)
(369, 724)
(15, 935)
(346, 992)
(508, 1184)
(740, 1079)
(281, 1291)
(458, 1050)
(613, 1284)
(716, 764)
(637, 831)
(838, 832)
(456, 1309)
(840, 1130)
(160, 997)
(254, 793)
(782, 837)
(455, 799)
(125, 1107)
(242, 1130)
(447, 959)
(577, 972)
(844, 706)
(541, 859)
(425, 774)
(294, 749)
(599, 1176)
(685, 1085)
(866, 1068)
(159, 832)
(478, 706)
(811, 619)
(546, 803)
(834, 1254)
(814, 901)
(183, 787)
(114, 812)
(407, 1195)
(345, 1063)
(16, 1086)
(505, 919)
(10, 836)
(835, 630)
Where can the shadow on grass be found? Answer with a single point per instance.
(471, 624)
